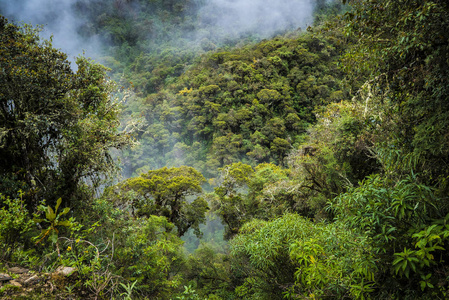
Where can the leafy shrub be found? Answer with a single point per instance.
(294, 257)
(15, 225)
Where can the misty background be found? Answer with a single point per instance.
(59, 20)
(131, 37)
(210, 22)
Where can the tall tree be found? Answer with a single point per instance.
(56, 125)
(404, 46)
(169, 192)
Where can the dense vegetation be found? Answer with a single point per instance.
(322, 152)
(250, 104)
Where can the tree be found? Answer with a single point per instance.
(280, 146)
(403, 46)
(271, 97)
(295, 258)
(166, 192)
(274, 128)
(56, 125)
(150, 252)
(210, 269)
(269, 191)
(226, 148)
(231, 203)
(407, 230)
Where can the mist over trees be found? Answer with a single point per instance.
(93, 26)
(228, 150)
(57, 126)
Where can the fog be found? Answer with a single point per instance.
(216, 19)
(261, 17)
(58, 18)
(212, 20)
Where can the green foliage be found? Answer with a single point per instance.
(325, 10)
(335, 156)
(150, 253)
(225, 98)
(166, 192)
(124, 256)
(188, 294)
(268, 122)
(128, 290)
(385, 210)
(296, 257)
(235, 196)
(267, 192)
(53, 218)
(15, 224)
(210, 270)
(403, 46)
(392, 214)
(56, 125)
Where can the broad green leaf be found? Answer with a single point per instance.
(65, 211)
(58, 202)
(50, 215)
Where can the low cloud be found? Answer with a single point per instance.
(265, 18)
(59, 20)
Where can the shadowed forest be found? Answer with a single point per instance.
(216, 149)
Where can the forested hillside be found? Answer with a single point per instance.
(241, 150)
(250, 104)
